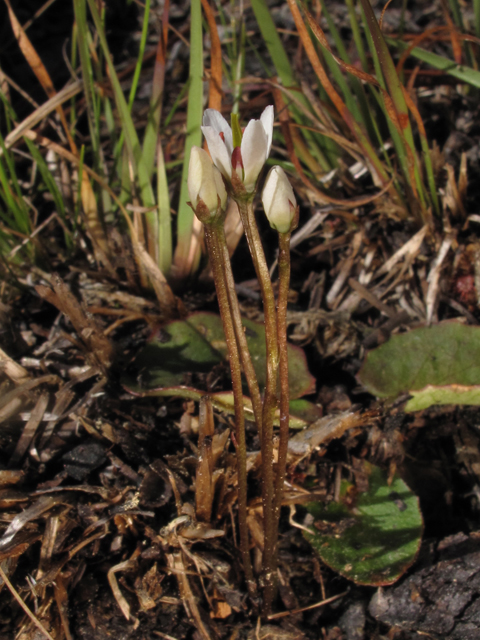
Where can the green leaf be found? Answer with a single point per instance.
(197, 344)
(180, 350)
(373, 537)
(301, 381)
(193, 347)
(449, 394)
(306, 410)
(446, 355)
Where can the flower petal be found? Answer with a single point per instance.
(218, 150)
(220, 187)
(254, 152)
(205, 182)
(266, 119)
(213, 118)
(195, 175)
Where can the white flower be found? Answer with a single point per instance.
(205, 182)
(279, 200)
(254, 149)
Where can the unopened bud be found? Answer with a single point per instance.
(279, 200)
(205, 185)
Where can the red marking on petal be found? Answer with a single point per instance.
(222, 135)
(237, 162)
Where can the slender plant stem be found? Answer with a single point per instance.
(245, 356)
(282, 302)
(269, 402)
(215, 253)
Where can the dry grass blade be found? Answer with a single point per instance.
(215, 86)
(454, 194)
(29, 430)
(371, 298)
(410, 249)
(68, 92)
(454, 35)
(376, 166)
(176, 562)
(333, 296)
(10, 402)
(166, 299)
(88, 198)
(30, 53)
(43, 504)
(98, 346)
(12, 369)
(38, 68)
(283, 614)
(119, 597)
(61, 598)
(17, 597)
(320, 196)
(433, 278)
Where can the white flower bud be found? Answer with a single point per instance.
(279, 200)
(205, 182)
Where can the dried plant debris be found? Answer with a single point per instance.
(98, 347)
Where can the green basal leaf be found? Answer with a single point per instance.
(301, 381)
(196, 345)
(191, 348)
(438, 365)
(371, 538)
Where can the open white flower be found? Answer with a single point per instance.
(254, 149)
(279, 200)
(205, 183)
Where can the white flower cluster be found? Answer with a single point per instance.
(238, 165)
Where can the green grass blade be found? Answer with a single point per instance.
(51, 187)
(131, 138)
(83, 37)
(274, 44)
(476, 9)
(141, 53)
(239, 69)
(357, 36)
(458, 71)
(326, 152)
(193, 138)
(458, 20)
(165, 218)
(389, 80)
(11, 193)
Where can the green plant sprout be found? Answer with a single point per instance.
(238, 159)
